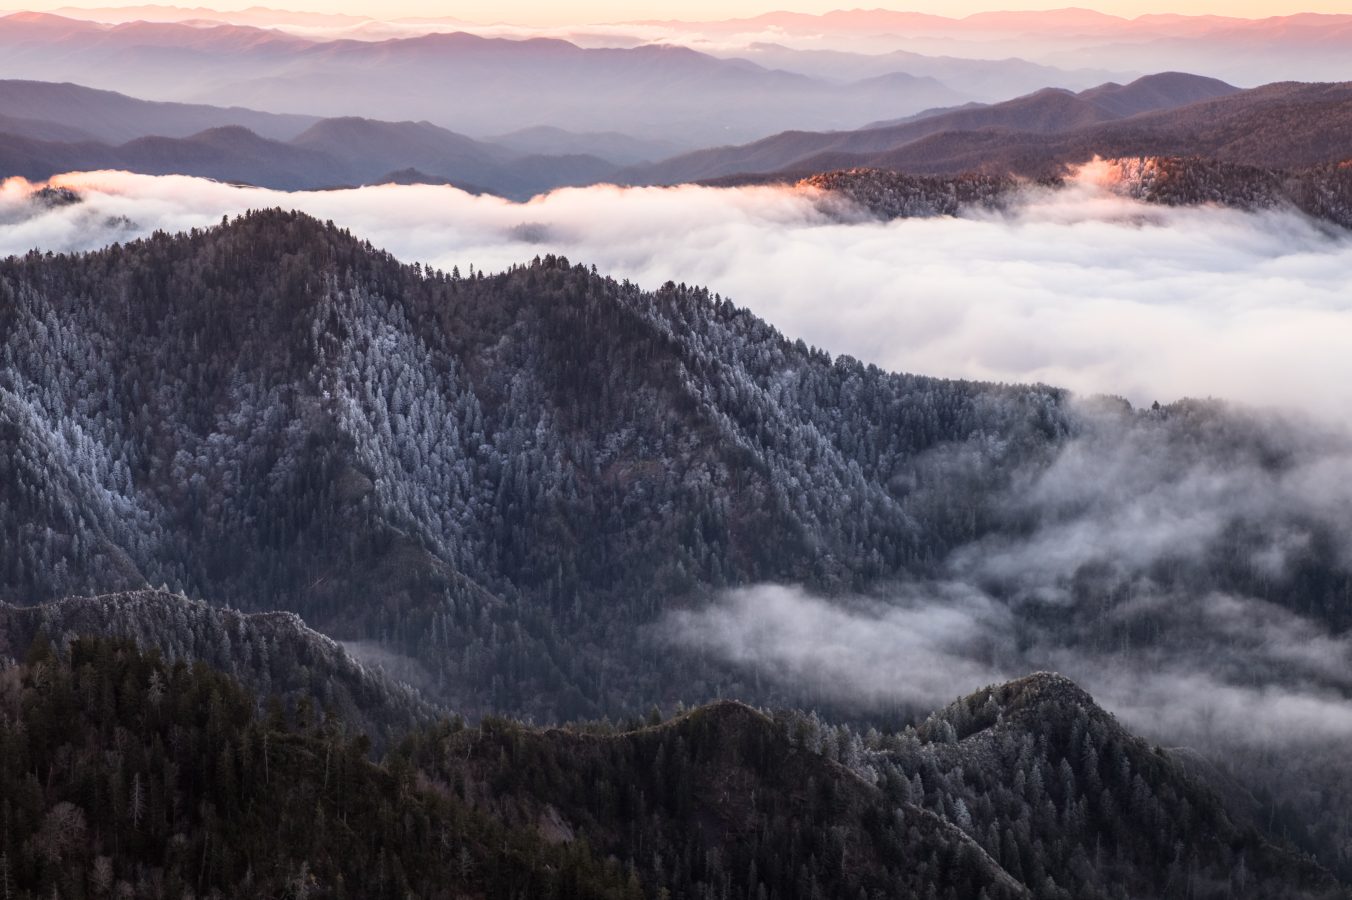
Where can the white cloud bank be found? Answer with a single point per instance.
(927, 645)
(1079, 288)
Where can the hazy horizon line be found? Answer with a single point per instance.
(354, 11)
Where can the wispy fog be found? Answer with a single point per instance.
(927, 645)
(1121, 499)
(1117, 565)
(1078, 288)
(922, 645)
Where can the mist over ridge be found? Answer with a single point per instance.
(1079, 287)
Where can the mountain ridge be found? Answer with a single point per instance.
(110, 116)
(323, 153)
(1323, 193)
(1045, 112)
(657, 92)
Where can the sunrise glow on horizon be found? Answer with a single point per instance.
(538, 12)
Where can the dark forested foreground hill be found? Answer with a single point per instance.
(126, 776)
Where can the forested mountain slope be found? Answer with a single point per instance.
(1049, 111)
(510, 479)
(1029, 788)
(1096, 809)
(724, 799)
(505, 476)
(1322, 192)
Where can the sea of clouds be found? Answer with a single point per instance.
(1079, 288)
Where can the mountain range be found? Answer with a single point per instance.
(1008, 127)
(46, 129)
(504, 487)
(657, 92)
(987, 57)
(844, 44)
(1247, 51)
(983, 80)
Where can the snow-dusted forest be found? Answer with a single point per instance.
(538, 493)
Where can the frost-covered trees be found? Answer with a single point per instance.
(495, 485)
(476, 471)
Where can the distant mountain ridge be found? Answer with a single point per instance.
(1048, 111)
(987, 80)
(1248, 51)
(988, 56)
(103, 115)
(1322, 192)
(614, 146)
(307, 153)
(652, 92)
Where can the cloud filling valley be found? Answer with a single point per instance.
(1079, 288)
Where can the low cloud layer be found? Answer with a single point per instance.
(930, 644)
(1077, 288)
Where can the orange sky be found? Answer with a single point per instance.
(556, 12)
